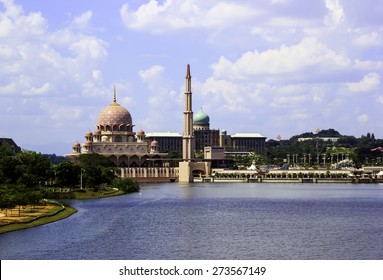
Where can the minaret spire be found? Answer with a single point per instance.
(188, 138)
(114, 98)
(188, 79)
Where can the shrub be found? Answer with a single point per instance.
(127, 185)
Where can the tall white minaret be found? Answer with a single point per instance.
(188, 138)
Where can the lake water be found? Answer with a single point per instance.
(214, 221)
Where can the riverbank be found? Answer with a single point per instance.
(23, 217)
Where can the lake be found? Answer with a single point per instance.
(214, 221)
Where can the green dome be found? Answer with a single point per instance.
(201, 117)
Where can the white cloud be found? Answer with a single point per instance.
(369, 82)
(41, 90)
(38, 64)
(308, 53)
(372, 39)
(162, 99)
(151, 73)
(363, 118)
(280, 1)
(380, 99)
(224, 94)
(175, 15)
(335, 12)
(300, 114)
(34, 56)
(366, 65)
(83, 20)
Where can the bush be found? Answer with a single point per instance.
(127, 185)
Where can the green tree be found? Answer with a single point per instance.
(97, 170)
(7, 200)
(34, 169)
(67, 174)
(127, 185)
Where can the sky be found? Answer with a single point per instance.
(275, 67)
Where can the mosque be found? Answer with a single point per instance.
(144, 156)
(114, 138)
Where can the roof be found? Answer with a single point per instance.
(247, 135)
(163, 134)
(201, 117)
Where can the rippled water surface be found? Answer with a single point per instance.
(214, 221)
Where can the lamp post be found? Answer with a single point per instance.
(316, 145)
(81, 178)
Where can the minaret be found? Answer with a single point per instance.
(115, 95)
(188, 138)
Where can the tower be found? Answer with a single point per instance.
(189, 165)
(188, 138)
(186, 166)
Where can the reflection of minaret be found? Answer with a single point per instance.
(188, 139)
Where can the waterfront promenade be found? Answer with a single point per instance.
(170, 174)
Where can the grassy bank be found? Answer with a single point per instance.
(91, 193)
(49, 215)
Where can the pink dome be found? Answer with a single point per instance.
(154, 143)
(88, 143)
(76, 145)
(114, 114)
(97, 132)
(89, 133)
(140, 132)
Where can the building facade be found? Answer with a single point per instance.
(248, 142)
(168, 141)
(238, 142)
(203, 135)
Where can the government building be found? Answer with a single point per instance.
(204, 136)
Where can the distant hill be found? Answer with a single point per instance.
(323, 133)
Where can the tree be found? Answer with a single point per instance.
(8, 167)
(95, 160)
(127, 185)
(67, 174)
(7, 200)
(34, 169)
(97, 170)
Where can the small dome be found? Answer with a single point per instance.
(154, 143)
(97, 132)
(76, 145)
(201, 117)
(88, 143)
(140, 132)
(89, 133)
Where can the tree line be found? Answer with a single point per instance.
(27, 177)
(362, 151)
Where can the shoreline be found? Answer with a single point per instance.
(39, 220)
(47, 217)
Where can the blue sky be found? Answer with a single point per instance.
(270, 67)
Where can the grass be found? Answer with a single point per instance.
(91, 194)
(53, 214)
(35, 215)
